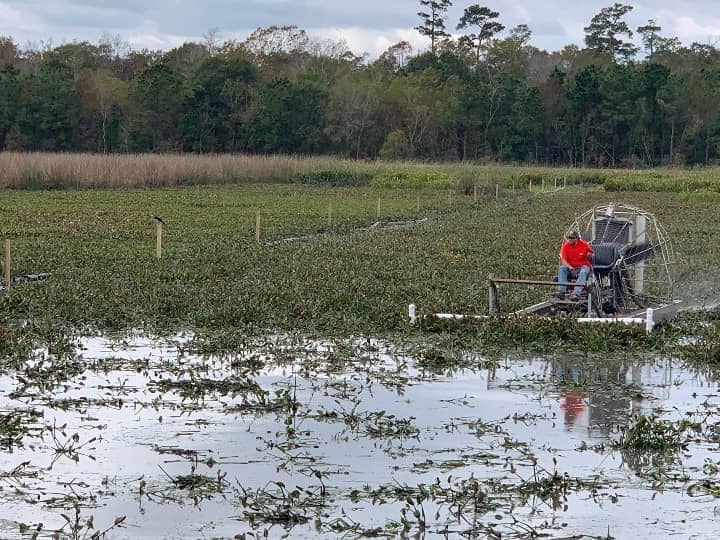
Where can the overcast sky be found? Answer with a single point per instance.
(367, 26)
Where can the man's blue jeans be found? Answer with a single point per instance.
(565, 275)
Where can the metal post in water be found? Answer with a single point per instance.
(7, 262)
(640, 236)
(493, 303)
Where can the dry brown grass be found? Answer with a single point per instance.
(44, 170)
(57, 170)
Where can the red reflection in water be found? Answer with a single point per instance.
(573, 404)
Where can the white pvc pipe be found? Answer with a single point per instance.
(624, 320)
(649, 322)
(457, 316)
(411, 314)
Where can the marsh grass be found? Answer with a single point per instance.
(15, 342)
(81, 527)
(554, 487)
(67, 171)
(277, 504)
(99, 247)
(79, 171)
(43, 171)
(649, 433)
(12, 428)
(543, 335)
(200, 486)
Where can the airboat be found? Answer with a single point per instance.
(631, 280)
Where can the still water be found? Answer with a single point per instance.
(320, 438)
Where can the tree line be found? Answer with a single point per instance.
(485, 93)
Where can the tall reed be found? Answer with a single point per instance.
(44, 170)
(60, 171)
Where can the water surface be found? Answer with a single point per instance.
(312, 438)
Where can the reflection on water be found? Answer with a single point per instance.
(346, 418)
(599, 394)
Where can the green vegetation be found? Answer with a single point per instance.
(14, 426)
(346, 272)
(546, 335)
(334, 261)
(648, 433)
(703, 348)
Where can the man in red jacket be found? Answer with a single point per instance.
(575, 255)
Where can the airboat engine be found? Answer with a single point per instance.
(632, 259)
(631, 281)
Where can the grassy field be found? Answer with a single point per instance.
(353, 278)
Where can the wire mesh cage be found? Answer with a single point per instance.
(634, 256)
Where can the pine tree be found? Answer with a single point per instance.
(603, 34)
(433, 24)
(482, 19)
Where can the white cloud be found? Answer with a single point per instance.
(688, 29)
(156, 41)
(13, 20)
(370, 41)
(9, 15)
(367, 26)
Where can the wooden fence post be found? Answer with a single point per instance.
(257, 227)
(158, 238)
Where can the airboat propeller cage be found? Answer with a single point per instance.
(630, 283)
(629, 239)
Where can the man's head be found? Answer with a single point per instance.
(572, 237)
